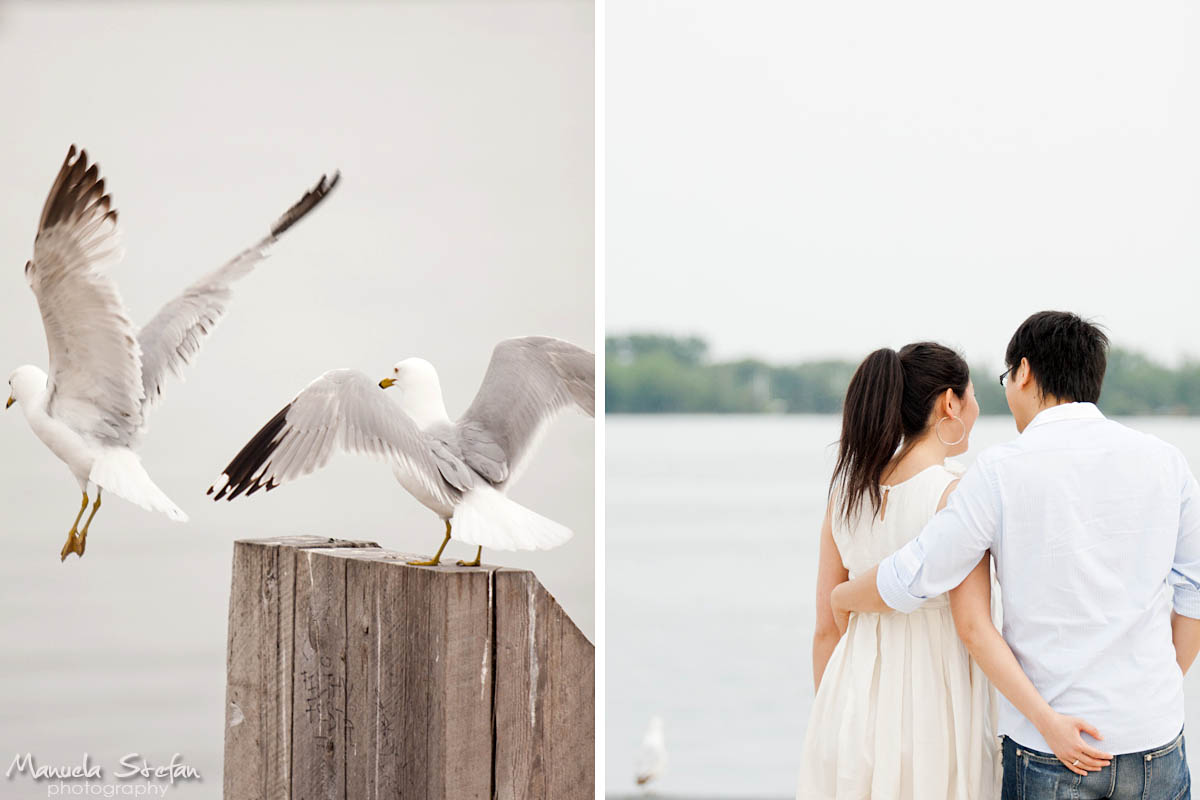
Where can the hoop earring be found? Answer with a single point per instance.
(937, 430)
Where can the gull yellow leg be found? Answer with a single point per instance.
(474, 563)
(72, 545)
(437, 557)
(87, 524)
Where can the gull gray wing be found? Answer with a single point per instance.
(528, 381)
(171, 340)
(342, 409)
(95, 367)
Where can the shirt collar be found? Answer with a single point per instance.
(1065, 411)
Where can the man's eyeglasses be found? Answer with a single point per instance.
(1004, 375)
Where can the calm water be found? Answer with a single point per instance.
(712, 527)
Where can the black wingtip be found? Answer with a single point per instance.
(73, 190)
(252, 459)
(311, 199)
(221, 493)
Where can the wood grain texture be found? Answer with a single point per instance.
(465, 687)
(545, 702)
(258, 730)
(356, 676)
(319, 685)
(363, 611)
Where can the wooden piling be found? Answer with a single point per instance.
(355, 676)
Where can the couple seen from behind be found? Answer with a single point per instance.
(1088, 532)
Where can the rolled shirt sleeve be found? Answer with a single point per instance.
(1185, 570)
(948, 547)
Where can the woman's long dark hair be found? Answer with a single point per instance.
(888, 404)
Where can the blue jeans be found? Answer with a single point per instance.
(1158, 774)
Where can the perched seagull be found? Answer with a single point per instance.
(652, 758)
(459, 470)
(105, 375)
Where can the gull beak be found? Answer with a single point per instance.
(11, 400)
(386, 382)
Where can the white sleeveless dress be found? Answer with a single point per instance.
(902, 712)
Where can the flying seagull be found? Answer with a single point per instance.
(106, 375)
(460, 470)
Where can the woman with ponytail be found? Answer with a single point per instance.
(901, 710)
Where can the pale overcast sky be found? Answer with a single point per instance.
(794, 180)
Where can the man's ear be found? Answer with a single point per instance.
(1024, 373)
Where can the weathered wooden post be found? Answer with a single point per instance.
(355, 676)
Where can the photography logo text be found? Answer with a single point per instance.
(134, 776)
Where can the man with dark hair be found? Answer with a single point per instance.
(1066, 354)
(1089, 524)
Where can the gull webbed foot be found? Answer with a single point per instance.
(475, 563)
(75, 544)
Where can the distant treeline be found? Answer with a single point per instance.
(654, 374)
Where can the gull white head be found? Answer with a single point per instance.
(24, 384)
(420, 391)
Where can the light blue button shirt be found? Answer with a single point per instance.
(1095, 532)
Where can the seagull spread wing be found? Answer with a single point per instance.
(95, 384)
(528, 381)
(341, 409)
(171, 340)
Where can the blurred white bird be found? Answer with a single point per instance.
(458, 469)
(106, 375)
(651, 760)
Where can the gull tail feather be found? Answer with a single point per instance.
(120, 471)
(486, 517)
